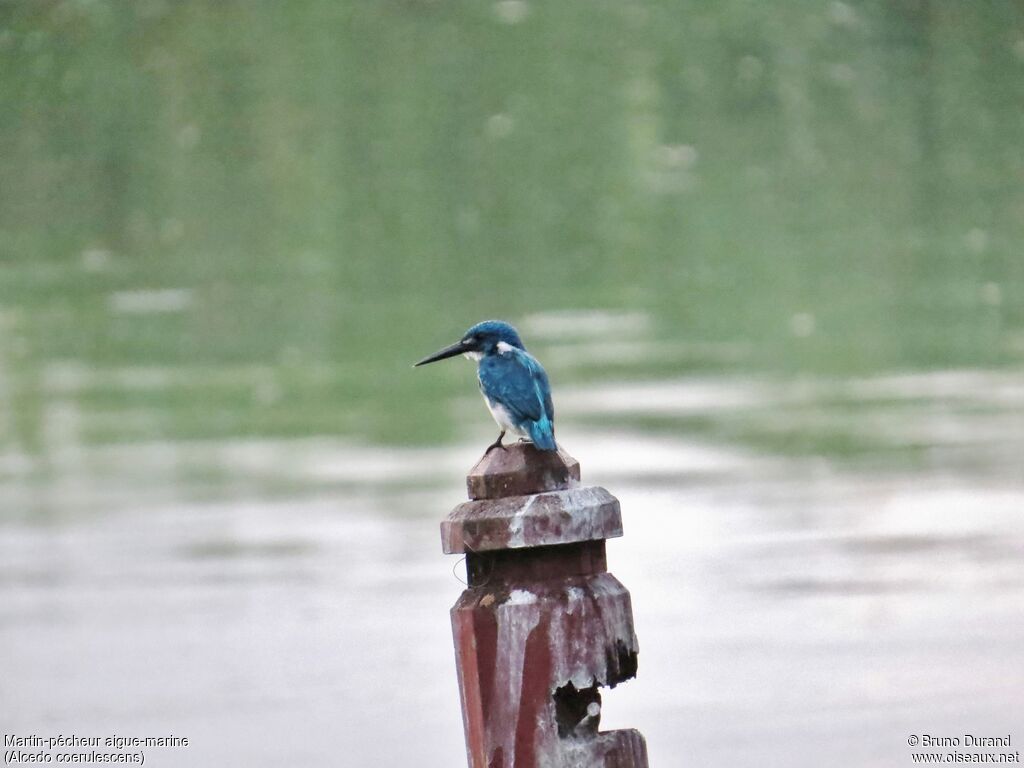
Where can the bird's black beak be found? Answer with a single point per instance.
(457, 348)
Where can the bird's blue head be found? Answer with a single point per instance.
(486, 336)
(482, 339)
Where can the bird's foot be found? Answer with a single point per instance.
(496, 444)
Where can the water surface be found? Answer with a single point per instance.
(770, 256)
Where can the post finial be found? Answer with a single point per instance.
(520, 469)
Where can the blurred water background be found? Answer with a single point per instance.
(772, 256)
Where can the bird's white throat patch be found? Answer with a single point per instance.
(472, 355)
(504, 347)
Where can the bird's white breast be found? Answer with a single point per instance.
(502, 416)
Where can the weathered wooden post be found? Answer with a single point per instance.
(542, 625)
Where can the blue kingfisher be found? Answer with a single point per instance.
(514, 385)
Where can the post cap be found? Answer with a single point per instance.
(513, 522)
(520, 469)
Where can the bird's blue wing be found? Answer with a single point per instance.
(518, 382)
(540, 380)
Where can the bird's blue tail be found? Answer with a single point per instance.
(542, 433)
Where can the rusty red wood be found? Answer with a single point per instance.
(542, 626)
(520, 469)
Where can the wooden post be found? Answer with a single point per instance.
(542, 625)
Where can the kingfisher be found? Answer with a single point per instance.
(514, 385)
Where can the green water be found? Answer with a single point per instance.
(247, 219)
(771, 254)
